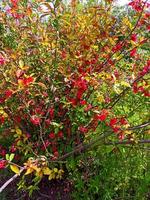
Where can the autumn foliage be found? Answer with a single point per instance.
(68, 74)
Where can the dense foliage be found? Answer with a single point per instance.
(73, 78)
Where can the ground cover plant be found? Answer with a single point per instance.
(74, 97)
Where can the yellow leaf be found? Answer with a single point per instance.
(51, 176)
(5, 115)
(1, 111)
(13, 56)
(29, 171)
(117, 88)
(125, 84)
(127, 132)
(25, 67)
(127, 22)
(39, 173)
(21, 64)
(20, 83)
(100, 98)
(61, 171)
(37, 169)
(95, 47)
(112, 42)
(18, 131)
(47, 171)
(15, 169)
(55, 170)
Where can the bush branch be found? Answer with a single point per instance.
(83, 147)
(128, 142)
(11, 179)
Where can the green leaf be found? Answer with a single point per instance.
(11, 157)
(7, 156)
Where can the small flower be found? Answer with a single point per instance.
(12, 149)
(51, 135)
(83, 129)
(147, 94)
(17, 119)
(56, 154)
(25, 81)
(123, 121)
(2, 61)
(116, 129)
(51, 112)
(19, 73)
(102, 116)
(3, 164)
(88, 108)
(47, 122)
(82, 102)
(63, 54)
(35, 120)
(14, 2)
(113, 121)
(2, 100)
(8, 94)
(73, 101)
(146, 69)
(28, 80)
(28, 135)
(121, 136)
(133, 52)
(81, 84)
(134, 37)
(80, 93)
(136, 5)
(2, 120)
(117, 47)
(107, 100)
(60, 134)
(3, 153)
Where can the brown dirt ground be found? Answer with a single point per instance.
(49, 190)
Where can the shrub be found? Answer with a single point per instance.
(71, 76)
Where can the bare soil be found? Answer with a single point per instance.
(49, 190)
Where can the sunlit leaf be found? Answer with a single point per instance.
(18, 131)
(21, 64)
(11, 157)
(47, 171)
(15, 169)
(29, 171)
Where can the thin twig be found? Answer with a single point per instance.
(11, 179)
(41, 137)
(128, 142)
(44, 195)
(139, 126)
(83, 147)
(139, 147)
